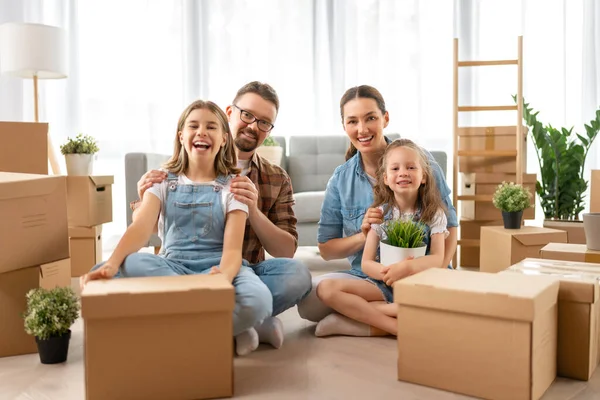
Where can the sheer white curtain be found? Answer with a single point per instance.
(561, 51)
(135, 64)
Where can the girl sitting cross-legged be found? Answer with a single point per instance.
(405, 189)
(200, 223)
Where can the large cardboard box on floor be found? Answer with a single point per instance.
(490, 138)
(89, 200)
(595, 191)
(578, 313)
(24, 147)
(33, 220)
(501, 248)
(500, 329)
(481, 183)
(14, 286)
(570, 252)
(171, 337)
(574, 229)
(86, 248)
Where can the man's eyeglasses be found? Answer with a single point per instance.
(249, 118)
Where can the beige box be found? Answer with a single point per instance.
(171, 337)
(481, 183)
(471, 229)
(24, 147)
(499, 328)
(33, 215)
(490, 138)
(570, 252)
(578, 313)
(86, 248)
(89, 200)
(595, 191)
(501, 248)
(574, 229)
(14, 286)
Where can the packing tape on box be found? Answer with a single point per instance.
(558, 271)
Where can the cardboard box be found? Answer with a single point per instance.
(14, 286)
(595, 191)
(501, 248)
(24, 147)
(471, 229)
(469, 256)
(89, 200)
(570, 252)
(574, 229)
(500, 328)
(490, 138)
(33, 215)
(176, 328)
(486, 184)
(86, 248)
(578, 313)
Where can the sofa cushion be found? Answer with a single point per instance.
(308, 206)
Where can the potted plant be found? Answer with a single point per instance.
(403, 238)
(271, 150)
(79, 154)
(48, 317)
(512, 199)
(561, 155)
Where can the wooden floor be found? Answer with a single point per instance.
(306, 367)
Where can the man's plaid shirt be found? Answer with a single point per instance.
(275, 200)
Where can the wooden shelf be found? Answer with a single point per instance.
(487, 108)
(487, 63)
(468, 242)
(487, 153)
(475, 197)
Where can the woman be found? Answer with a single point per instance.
(345, 214)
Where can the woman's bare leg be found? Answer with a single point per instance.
(389, 309)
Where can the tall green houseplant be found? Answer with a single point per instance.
(561, 154)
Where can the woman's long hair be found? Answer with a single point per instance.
(226, 159)
(428, 200)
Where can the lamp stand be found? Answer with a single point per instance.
(51, 156)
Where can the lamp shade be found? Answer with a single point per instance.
(33, 49)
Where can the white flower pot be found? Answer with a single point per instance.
(271, 153)
(591, 226)
(390, 254)
(79, 164)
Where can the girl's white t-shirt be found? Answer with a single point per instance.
(228, 202)
(438, 225)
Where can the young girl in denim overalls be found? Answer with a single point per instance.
(405, 188)
(200, 223)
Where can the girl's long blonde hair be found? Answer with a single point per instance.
(429, 199)
(226, 159)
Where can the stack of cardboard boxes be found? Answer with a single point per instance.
(34, 244)
(89, 204)
(480, 176)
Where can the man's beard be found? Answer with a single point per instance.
(244, 144)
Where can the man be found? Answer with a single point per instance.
(271, 225)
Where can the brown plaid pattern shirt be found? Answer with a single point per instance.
(275, 200)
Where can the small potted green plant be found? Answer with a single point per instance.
(512, 199)
(402, 238)
(79, 154)
(271, 150)
(48, 317)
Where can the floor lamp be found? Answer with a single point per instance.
(34, 51)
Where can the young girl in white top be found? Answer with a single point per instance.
(200, 223)
(405, 189)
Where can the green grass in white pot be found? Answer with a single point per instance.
(404, 233)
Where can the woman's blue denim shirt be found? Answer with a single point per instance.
(349, 195)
